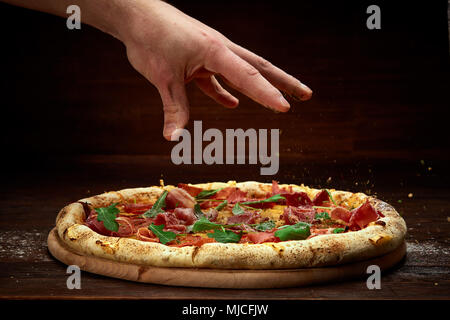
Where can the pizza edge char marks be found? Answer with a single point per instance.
(247, 225)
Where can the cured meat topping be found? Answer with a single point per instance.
(191, 216)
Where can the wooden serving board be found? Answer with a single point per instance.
(217, 278)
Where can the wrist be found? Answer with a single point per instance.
(121, 18)
(109, 16)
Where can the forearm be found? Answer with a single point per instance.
(170, 48)
(109, 16)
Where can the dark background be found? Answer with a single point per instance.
(378, 94)
(75, 109)
(78, 120)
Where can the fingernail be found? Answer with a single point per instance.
(304, 86)
(169, 130)
(175, 136)
(306, 94)
(284, 102)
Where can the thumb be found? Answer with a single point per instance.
(176, 109)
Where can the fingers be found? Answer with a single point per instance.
(176, 109)
(276, 76)
(212, 88)
(245, 78)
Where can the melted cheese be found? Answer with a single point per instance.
(274, 214)
(271, 214)
(223, 216)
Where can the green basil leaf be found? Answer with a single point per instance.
(274, 198)
(207, 193)
(338, 230)
(198, 211)
(188, 230)
(331, 197)
(322, 215)
(298, 231)
(164, 236)
(157, 207)
(204, 224)
(225, 236)
(264, 226)
(222, 205)
(237, 209)
(108, 216)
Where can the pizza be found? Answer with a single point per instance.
(232, 225)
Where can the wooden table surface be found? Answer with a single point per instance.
(31, 201)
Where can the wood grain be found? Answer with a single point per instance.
(31, 200)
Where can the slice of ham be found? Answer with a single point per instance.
(363, 215)
(96, 225)
(243, 227)
(179, 198)
(193, 191)
(139, 222)
(170, 222)
(262, 205)
(277, 190)
(177, 228)
(212, 214)
(224, 193)
(136, 208)
(321, 197)
(297, 199)
(209, 204)
(126, 226)
(246, 217)
(166, 218)
(145, 234)
(237, 196)
(219, 195)
(340, 213)
(294, 199)
(261, 237)
(231, 194)
(185, 215)
(293, 215)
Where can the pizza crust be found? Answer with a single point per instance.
(332, 249)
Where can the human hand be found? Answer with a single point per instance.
(170, 49)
